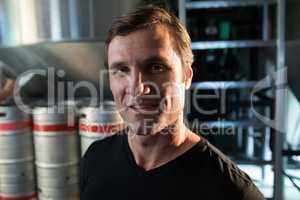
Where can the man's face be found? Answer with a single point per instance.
(147, 79)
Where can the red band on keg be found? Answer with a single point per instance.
(53, 127)
(101, 128)
(31, 197)
(8, 126)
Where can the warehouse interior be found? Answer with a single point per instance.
(244, 97)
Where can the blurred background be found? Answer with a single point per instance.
(246, 81)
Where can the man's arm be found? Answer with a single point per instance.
(252, 193)
(7, 89)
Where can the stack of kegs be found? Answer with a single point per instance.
(17, 177)
(51, 140)
(96, 123)
(56, 152)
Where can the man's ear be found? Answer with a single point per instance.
(188, 72)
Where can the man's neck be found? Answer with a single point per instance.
(152, 151)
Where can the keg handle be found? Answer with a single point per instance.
(2, 114)
(81, 115)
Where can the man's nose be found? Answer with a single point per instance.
(138, 84)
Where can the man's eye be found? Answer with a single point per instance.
(120, 71)
(157, 68)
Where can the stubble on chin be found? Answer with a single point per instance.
(150, 128)
(142, 127)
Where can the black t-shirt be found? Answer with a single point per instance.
(109, 172)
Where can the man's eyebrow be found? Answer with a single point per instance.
(156, 59)
(115, 65)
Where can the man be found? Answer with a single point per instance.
(7, 90)
(157, 157)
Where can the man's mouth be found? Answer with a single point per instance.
(146, 107)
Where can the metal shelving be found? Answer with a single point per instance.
(185, 5)
(226, 4)
(232, 124)
(223, 85)
(232, 44)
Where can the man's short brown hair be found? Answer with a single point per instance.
(147, 17)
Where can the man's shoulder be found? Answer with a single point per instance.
(104, 146)
(220, 162)
(219, 166)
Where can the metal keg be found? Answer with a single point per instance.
(17, 176)
(97, 123)
(68, 193)
(17, 180)
(54, 176)
(55, 135)
(56, 151)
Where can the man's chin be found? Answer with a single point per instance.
(150, 127)
(140, 128)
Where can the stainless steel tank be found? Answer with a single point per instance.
(34, 21)
(56, 151)
(17, 176)
(97, 123)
